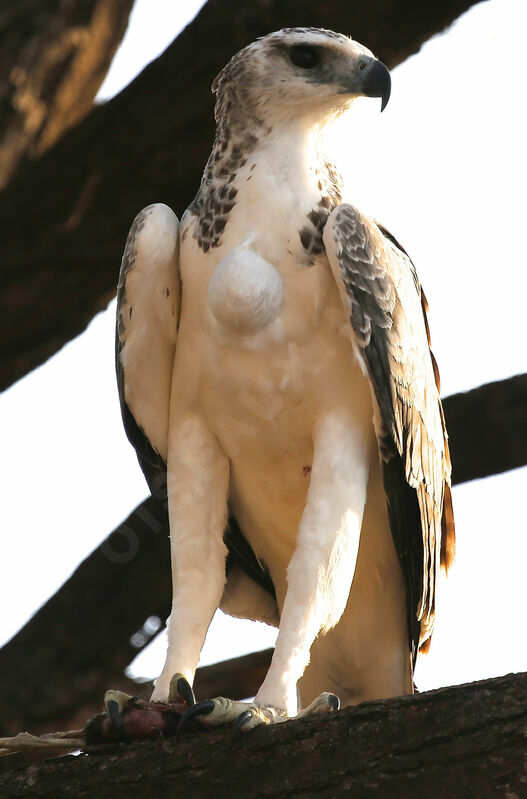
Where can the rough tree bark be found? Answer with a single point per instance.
(64, 217)
(454, 743)
(53, 58)
(64, 680)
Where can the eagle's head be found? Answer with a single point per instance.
(297, 73)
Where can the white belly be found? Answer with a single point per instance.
(264, 348)
(261, 389)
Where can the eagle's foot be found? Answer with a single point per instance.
(115, 704)
(245, 716)
(253, 715)
(220, 712)
(129, 718)
(180, 690)
(325, 703)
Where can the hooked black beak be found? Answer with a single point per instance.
(376, 82)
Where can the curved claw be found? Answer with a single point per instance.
(180, 687)
(333, 702)
(114, 714)
(238, 724)
(200, 709)
(115, 703)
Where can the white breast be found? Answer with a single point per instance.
(245, 291)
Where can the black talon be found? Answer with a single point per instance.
(114, 715)
(334, 702)
(238, 724)
(185, 691)
(201, 709)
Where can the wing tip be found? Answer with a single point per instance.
(424, 646)
(448, 530)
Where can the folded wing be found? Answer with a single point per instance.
(387, 310)
(148, 305)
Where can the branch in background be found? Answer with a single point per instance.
(464, 741)
(54, 57)
(65, 216)
(488, 429)
(80, 641)
(237, 678)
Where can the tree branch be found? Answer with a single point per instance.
(488, 429)
(65, 217)
(53, 59)
(457, 742)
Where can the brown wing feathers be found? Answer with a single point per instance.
(388, 316)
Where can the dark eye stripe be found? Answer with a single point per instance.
(304, 56)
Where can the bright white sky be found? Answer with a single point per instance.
(444, 168)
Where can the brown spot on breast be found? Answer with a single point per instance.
(305, 237)
(306, 470)
(317, 218)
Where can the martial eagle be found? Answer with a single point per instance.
(275, 375)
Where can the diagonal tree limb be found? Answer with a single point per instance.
(64, 217)
(53, 58)
(80, 640)
(462, 741)
(82, 636)
(487, 429)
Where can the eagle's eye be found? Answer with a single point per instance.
(304, 56)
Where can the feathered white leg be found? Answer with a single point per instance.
(198, 475)
(321, 570)
(319, 575)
